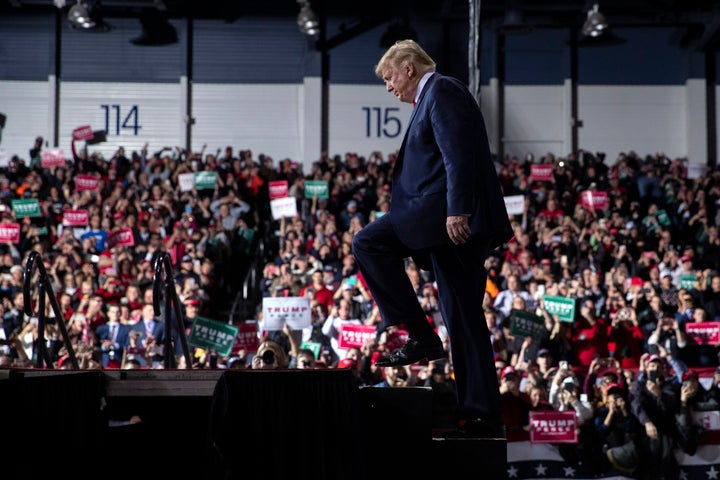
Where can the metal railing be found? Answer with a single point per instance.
(44, 288)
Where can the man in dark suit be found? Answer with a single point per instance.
(447, 212)
(113, 337)
(152, 334)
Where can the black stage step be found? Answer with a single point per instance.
(200, 424)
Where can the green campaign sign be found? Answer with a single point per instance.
(212, 335)
(526, 324)
(27, 207)
(313, 347)
(687, 281)
(563, 307)
(316, 188)
(205, 180)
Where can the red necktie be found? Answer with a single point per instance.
(414, 103)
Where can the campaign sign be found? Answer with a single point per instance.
(186, 182)
(551, 426)
(313, 347)
(283, 207)
(354, 335)
(83, 133)
(594, 200)
(295, 311)
(696, 170)
(205, 180)
(84, 181)
(541, 172)
(52, 158)
(687, 281)
(247, 337)
(563, 307)
(123, 237)
(515, 204)
(10, 232)
(526, 324)
(75, 218)
(212, 335)
(704, 333)
(27, 207)
(278, 189)
(316, 188)
(709, 420)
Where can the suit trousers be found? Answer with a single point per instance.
(461, 277)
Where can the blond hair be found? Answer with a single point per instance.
(406, 51)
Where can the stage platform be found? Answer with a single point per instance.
(227, 424)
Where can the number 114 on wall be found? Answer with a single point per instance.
(130, 120)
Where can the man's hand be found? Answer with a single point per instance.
(458, 228)
(651, 431)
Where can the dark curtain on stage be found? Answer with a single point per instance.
(49, 421)
(286, 424)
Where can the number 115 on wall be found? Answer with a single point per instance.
(382, 122)
(130, 119)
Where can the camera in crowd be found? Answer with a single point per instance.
(268, 357)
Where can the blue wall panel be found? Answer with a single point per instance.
(27, 47)
(110, 57)
(648, 57)
(249, 51)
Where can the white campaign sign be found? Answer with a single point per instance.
(283, 207)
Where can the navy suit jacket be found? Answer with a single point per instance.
(122, 339)
(444, 168)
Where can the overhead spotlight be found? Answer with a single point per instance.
(595, 24)
(156, 31)
(514, 24)
(398, 30)
(87, 16)
(307, 20)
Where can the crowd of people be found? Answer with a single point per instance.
(639, 271)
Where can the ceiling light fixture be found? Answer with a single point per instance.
(595, 25)
(86, 16)
(307, 20)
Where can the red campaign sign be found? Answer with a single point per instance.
(550, 426)
(83, 133)
(704, 333)
(10, 232)
(52, 158)
(354, 335)
(86, 182)
(123, 237)
(75, 218)
(541, 172)
(278, 189)
(594, 200)
(247, 338)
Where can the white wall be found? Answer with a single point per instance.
(27, 107)
(283, 121)
(534, 120)
(647, 119)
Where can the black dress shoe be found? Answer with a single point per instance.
(413, 351)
